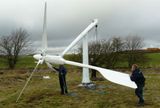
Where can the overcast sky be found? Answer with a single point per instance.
(67, 18)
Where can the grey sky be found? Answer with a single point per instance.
(67, 18)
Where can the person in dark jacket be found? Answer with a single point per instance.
(138, 78)
(62, 79)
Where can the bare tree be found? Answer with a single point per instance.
(13, 45)
(133, 44)
(112, 49)
(117, 44)
(95, 51)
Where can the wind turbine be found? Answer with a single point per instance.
(111, 75)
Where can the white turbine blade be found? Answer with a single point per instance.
(50, 66)
(44, 36)
(117, 77)
(81, 35)
(28, 80)
(113, 76)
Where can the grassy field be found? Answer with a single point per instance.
(154, 60)
(45, 93)
(24, 62)
(27, 62)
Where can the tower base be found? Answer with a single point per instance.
(88, 85)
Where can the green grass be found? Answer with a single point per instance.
(28, 62)
(24, 62)
(41, 93)
(154, 60)
(3, 63)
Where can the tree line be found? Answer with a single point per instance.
(110, 52)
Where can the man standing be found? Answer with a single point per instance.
(138, 78)
(62, 78)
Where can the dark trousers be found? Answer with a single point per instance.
(63, 85)
(139, 92)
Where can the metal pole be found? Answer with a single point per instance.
(85, 76)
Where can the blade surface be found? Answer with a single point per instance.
(117, 77)
(113, 76)
(50, 66)
(28, 80)
(44, 36)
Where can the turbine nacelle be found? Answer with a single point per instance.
(49, 58)
(37, 56)
(54, 59)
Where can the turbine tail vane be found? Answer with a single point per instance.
(113, 76)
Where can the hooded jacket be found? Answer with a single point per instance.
(138, 77)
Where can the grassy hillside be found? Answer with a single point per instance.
(154, 60)
(43, 93)
(3, 63)
(26, 62)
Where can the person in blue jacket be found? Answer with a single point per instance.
(138, 78)
(62, 79)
